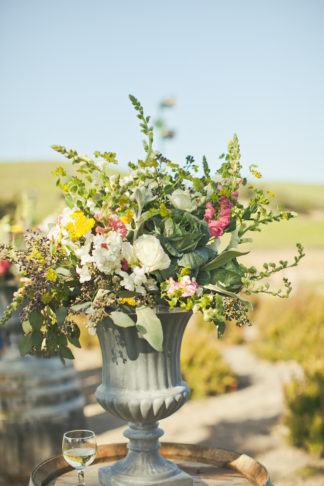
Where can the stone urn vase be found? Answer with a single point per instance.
(142, 386)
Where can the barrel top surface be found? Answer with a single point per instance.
(208, 466)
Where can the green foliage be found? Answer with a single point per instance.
(202, 365)
(305, 411)
(296, 331)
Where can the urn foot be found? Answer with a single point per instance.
(144, 464)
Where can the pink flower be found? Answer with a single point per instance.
(209, 212)
(173, 286)
(4, 265)
(118, 226)
(216, 228)
(234, 195)
(190, 288)
(225, 212)
(225, 202)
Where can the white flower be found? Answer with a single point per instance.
(107, 252)
(84, 273)
(182, 200)
(138, 276)
(83, 252)
(126, 282)
(150, 254)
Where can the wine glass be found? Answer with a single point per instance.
(79, 449)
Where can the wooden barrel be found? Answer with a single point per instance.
(214, 467)
(39, 400)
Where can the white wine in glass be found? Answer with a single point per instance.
(79, 450)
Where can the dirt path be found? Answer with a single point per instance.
(247, 420)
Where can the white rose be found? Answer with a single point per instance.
(150, 254)
(182, 200)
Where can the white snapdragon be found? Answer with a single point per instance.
(150, 254)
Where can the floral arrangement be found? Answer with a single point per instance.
(126, 245)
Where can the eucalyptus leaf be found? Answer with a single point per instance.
(121, 319)
(63, 271)
(25, 345)
(65, 352)
(149, 326)
(60, 314)
(81, 307)
(37, 339)
(36, 320)
(26, 327)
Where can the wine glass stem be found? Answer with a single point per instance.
(81, 478)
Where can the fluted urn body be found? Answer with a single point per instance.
(141, 386)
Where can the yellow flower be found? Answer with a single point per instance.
(128, 217)
(80, 226)
(51, 275)
(46, 298)
(128, 300)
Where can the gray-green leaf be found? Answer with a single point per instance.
(36, 320)
(25, 345)
(121, 319)
(149, 326)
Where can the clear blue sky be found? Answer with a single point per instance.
(254, 67)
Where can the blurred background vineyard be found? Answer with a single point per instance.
(287, 330)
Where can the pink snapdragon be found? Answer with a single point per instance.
(217, 227)
(209, 212)
(187, 286)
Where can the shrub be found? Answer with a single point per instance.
(305, 412)
(295, 330)
(202, 365)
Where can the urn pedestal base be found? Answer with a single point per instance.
(144, 464)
